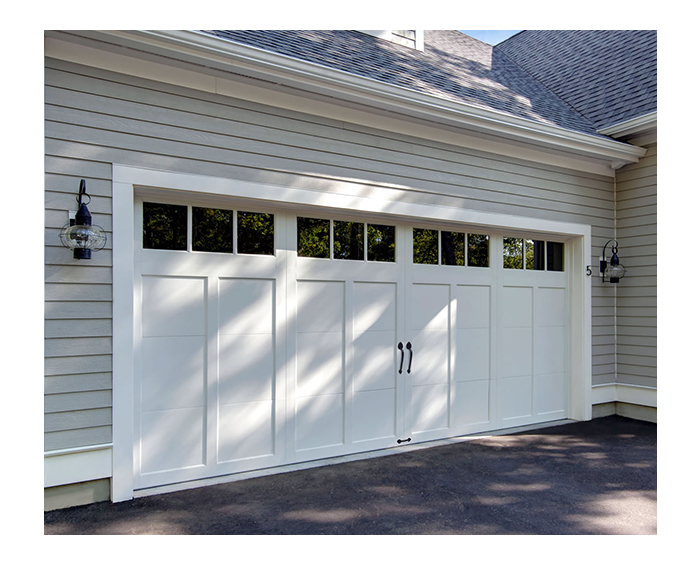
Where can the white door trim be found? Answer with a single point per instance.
(127, 179)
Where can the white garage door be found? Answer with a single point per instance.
(272, 338)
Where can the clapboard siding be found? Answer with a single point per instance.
(94, 118)
(636, 295)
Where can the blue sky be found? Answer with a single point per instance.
(490, 36)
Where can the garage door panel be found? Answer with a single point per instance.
(516, 397)
(471, 403)
(429, 307)
(173, 306)
(319, 421)
(246, 306)
(173, 373)
(172, 439)
(473, 307)
(430, 357)
(246, 368)
(515, 352)
(374, 361)
(245, 430)
(374, 307)
(516, 307)
(319, 363)
(320, 306)
(550, 394)
(374, 415)
(552, 308)
(430, 408)
(472, 354)
(550, 350)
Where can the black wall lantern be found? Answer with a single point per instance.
(80, 235)
(611, 271)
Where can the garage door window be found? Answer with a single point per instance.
(381, 243)
(212, 230)
(256, 233)
(348, 240)
(532, 254)
(164, 226)
(449, 248)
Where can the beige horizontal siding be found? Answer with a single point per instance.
(636, 294)
(94, 118)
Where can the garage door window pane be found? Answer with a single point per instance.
(534, 255)
(348, 240)
(512, 253)
(212, 230)
(478, 250)
(164, 226)
(425, 246)
(256, 233)
(555, 256)
(453, 250)
(381, 243)
(314, 238)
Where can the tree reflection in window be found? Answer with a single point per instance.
(164, 226)
(348, 240)
(381, 243)
(425, 246)
(313, 238)
(212, 230)
(256, 233)
(534, 255)
(512, 253)
(453, 250)
(478, 250)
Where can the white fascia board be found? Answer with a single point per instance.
(205, 50)
(635, 126)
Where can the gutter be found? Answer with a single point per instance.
(204, 50)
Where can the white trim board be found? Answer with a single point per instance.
(621, 392)
(128, 180)
(79, 465)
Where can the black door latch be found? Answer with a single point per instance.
(400, 441)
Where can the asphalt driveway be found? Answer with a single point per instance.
(596, 477)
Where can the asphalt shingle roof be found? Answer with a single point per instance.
(453, 66)
(609, 76)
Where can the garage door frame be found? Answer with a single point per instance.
(127, 180)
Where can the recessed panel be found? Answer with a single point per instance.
(515, 352)
(516, 397)
(374, 360)
(245, 430)
(172, 373)
(473, 354)
(430, 357)
(319, 363)
(551, 307)
(550, 393)
(320, 306)
(173, 306)
(374, 307)
(471, 403)
(246, 306)
(550, 350)
(172, 439)
(429, 306)
(319, 421)
(473, 306)
(246, 368)
(373, 415)
(430, 408)
(516, 307)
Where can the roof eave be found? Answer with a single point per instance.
(206, 50)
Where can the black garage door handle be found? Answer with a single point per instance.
(410, 359)
(400, 346)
